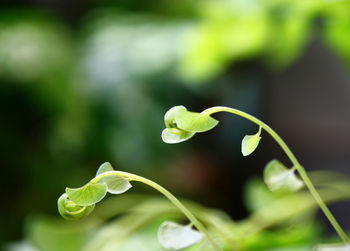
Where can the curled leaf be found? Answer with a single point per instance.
(87, 195)
(281, 179)
(169, 117)
(194, 122)
(182, 124)
(250, 143)
(175, 236)
(71, 211)
(173, 135)
(115, 184)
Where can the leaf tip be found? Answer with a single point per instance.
(105, 167)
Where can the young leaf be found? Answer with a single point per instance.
(250, 143)
(334, 247)
(175, 236)
(279, 178)
(194, 122)
(173, 135)
(116, 184)
(105, 167)
(87, 195)
(71, 211)
(169, 117)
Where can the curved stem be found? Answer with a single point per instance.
(292, 158)
(166, 193)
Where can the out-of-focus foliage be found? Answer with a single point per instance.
(278, 222)
(337, 26)
(274, 31)
(26, 51)
(77, 92)
(279, 178)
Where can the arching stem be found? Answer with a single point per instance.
(166, 193)
(292, 158)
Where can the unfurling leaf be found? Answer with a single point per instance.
(250, 143)
(173, 135)
(175, 236)
(194, 122)
(71, 211)
(281, 179)
(182, 124)
(115, 184)
(87, 195)
(169, 117)
(105, 167)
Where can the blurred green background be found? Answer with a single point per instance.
(84, 82)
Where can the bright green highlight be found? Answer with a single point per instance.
(279, 178)
(295, 162)
(250, 143)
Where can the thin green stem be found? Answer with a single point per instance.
(292, 158)
(166, 193)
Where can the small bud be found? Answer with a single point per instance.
(182, 124)
(71, 211)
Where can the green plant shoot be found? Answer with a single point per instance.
(180, 121)
(77, 203)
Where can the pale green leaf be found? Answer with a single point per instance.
(173, 135)
(281, 179)
(334, 247)
(115, 184)
(194, 122)
(87, 195)
(169, 117)
(250, 143)
(175, 236)
(105, 167)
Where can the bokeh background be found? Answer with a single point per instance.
(84, 82)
